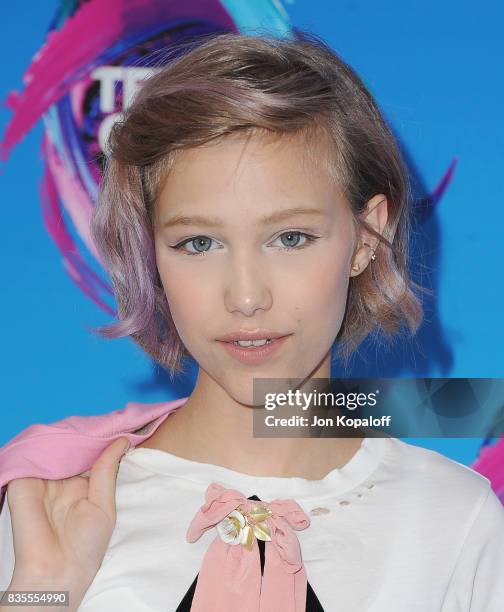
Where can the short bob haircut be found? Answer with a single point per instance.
(229, 83)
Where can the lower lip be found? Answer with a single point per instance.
(254, 355)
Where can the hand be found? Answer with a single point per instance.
(62, 528)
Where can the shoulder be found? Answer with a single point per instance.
(430, 478)
(435, 469)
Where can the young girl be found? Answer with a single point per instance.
(253, 192)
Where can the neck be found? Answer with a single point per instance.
(212, 427)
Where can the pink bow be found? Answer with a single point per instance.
(230, 575)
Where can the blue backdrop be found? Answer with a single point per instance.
(435, 69)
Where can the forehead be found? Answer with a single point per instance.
(252, 175)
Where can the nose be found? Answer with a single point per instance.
(247, 290)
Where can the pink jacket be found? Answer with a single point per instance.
(70, 446)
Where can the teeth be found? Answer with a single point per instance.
(246, 343)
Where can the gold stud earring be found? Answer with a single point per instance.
(373, 256)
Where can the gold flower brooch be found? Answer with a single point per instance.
(242, 526)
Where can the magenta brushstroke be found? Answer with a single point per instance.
(71, 53)
(490, 463)
(440, 188)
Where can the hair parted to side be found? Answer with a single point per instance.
(230, 83)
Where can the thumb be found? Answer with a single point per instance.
(103, 474)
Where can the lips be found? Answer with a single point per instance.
(257, 334)
(254, 355)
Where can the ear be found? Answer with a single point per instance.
(375, 214)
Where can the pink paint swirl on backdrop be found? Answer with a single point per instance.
(490, 463)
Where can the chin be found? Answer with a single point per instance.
(242, 387)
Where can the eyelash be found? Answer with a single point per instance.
(309, 240)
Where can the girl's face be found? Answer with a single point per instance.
(225, 267)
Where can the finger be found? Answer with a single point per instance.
(23, 488)
(103, 474)
(25, 498)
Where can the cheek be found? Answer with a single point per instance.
(185, 297)
(320, 293)
(321, 313)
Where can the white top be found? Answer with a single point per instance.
(407, 529)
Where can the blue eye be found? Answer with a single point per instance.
(199, 242)
(296, 236)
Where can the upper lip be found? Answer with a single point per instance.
(244, 334)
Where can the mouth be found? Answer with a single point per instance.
(251, 344)
(254, 352)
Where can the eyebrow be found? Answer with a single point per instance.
(280, 215)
